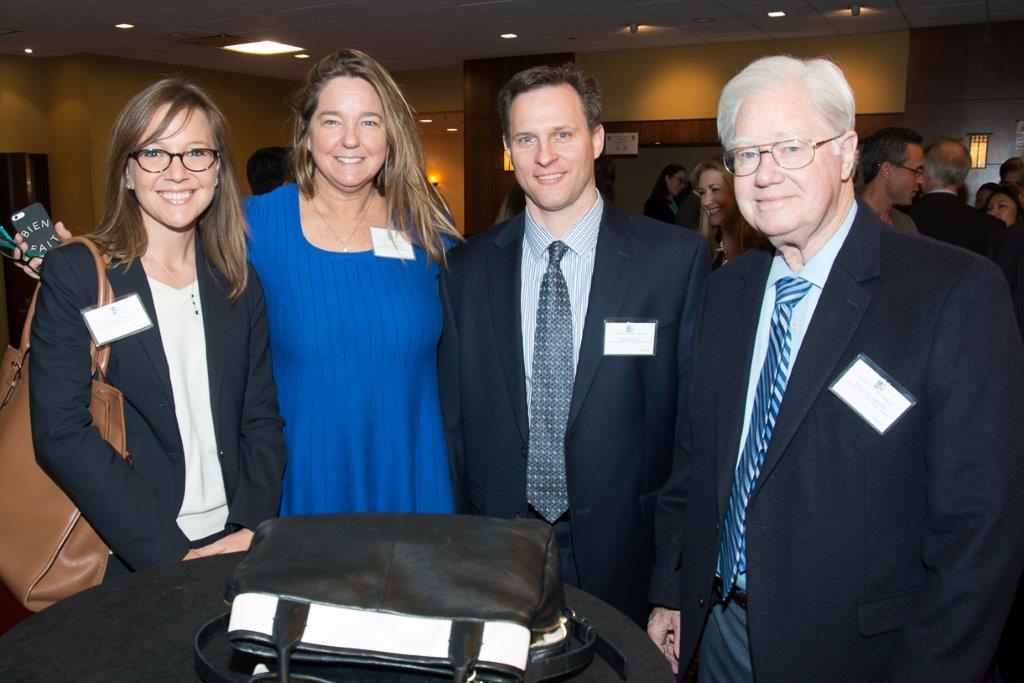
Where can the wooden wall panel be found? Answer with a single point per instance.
(486, 182)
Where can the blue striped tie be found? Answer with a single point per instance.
(771, 385)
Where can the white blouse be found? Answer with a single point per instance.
(204, 508)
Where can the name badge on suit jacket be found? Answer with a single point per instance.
(122, 318)
(872, 393)
(630, 337)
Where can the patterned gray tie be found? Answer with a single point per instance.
(550, 392)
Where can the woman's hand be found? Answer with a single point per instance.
(237, 542)
(31, 267)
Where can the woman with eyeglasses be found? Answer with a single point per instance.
(203, 431)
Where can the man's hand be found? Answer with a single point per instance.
(663, 628)
(237, 542)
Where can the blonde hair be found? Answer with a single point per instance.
(222, 227)
(746, 236)
(413, 203)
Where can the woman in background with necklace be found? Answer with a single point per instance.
(349, 256)
(727, 232)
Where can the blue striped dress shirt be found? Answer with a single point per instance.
(577, 267)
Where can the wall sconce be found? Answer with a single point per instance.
(979, 149)
(434, 179)
(506, 162)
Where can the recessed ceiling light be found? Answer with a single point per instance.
(702, 20)
(301, 55)
(776, 14)
(426, 120)
(28, 50)
(509, 36)
(452, 130)
(263, 47)
(124, 26)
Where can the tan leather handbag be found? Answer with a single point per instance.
(47, 549)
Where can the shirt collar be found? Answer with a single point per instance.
(581, 238)
(817, 269)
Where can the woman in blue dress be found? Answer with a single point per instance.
(349, 258)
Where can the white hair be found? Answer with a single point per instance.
(823, 82)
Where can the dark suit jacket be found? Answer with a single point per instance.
(1008, 253)
(869, 557)
(943, 216)
(619, 439)
(134, 508)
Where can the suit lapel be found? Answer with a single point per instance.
(742, 317)
(613, 265)
(133, 281)
(503, 291)
(839, 312)
(216, 325)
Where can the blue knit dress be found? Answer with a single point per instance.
(354, 343)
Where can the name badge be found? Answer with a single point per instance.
(872, 393)
(629, 337)
(122, 318)
(388, 243)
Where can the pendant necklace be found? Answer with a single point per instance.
(191, 287)
(344, 244)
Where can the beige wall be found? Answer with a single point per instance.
(445, 159)
(22, 105)
(432, 89)
(685, 82)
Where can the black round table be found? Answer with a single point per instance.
(142, 627)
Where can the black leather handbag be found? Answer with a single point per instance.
(448, 597)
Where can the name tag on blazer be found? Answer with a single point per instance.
(872, 393)
(630, 337)
(122, 318)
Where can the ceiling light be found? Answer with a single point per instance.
(776, 14)
(452, 130)
(124, 26)
(28, 50)
(702, 20)
(263, 47)
(509, 36)
(426, 120)
(301, 55)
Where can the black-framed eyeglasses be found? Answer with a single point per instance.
(789, 154)
(156, 160)
(918, 172)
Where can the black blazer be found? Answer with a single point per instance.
(134, 508)
(619, 439)
(869, 556)
(943, 216)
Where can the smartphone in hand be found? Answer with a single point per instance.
(36, 227)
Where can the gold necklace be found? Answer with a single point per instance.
(177, 283)
(344, 245)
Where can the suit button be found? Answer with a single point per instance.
(519, 515)
(700, 601)
(524, 451)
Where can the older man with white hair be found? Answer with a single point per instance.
(845, 502)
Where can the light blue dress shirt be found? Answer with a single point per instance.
(816, 272)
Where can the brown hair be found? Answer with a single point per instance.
(544, 76)
(747, 236)
(413, 203)
(222, 227)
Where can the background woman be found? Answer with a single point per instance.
(354, 330)
(1004, 205)
(661, 204)
(721, 222)
(203, 429)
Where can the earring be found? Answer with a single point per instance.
(128, 185)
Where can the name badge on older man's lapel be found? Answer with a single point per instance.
(872, 393)
(629, 337)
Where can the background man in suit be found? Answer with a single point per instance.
(939, 212)
(848, 508)
(892, 162)
(566, 343)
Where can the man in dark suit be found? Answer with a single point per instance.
(848, 504)
(566, 344)
(939, 212)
